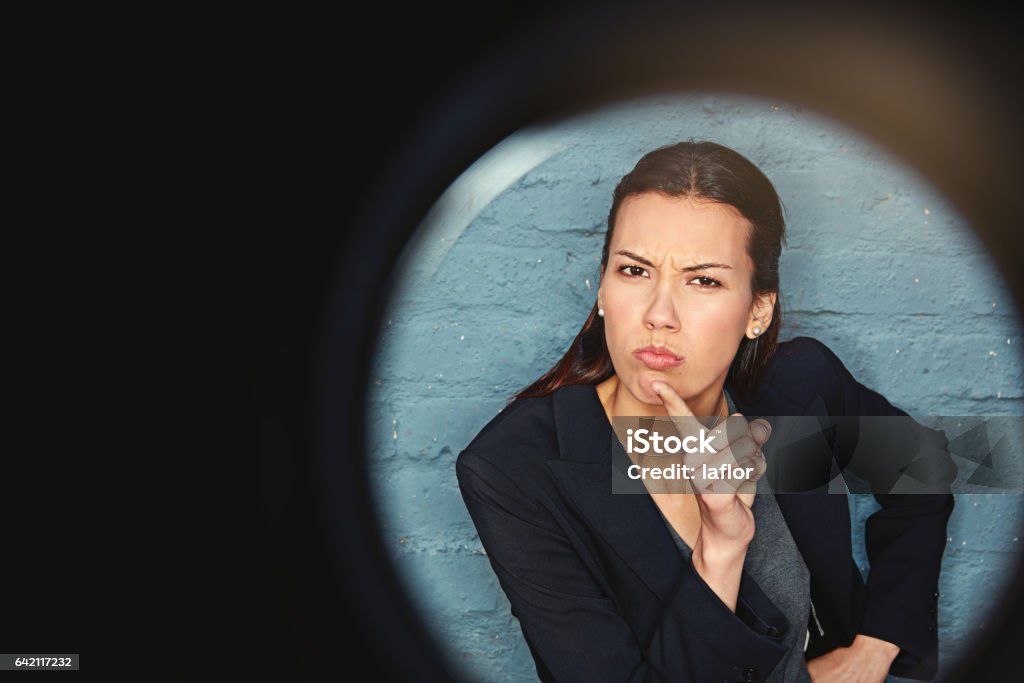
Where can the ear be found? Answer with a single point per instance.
(761, 310)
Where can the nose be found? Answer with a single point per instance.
(661, 312)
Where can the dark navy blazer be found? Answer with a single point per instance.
(600, 589)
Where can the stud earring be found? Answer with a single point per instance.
(600, 312)
(756, 330)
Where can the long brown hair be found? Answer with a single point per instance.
(701, 170)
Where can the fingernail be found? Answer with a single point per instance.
(656, 386)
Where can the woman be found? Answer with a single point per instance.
(703, 587)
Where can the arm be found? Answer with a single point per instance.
(905, 540)
(571, 621)
(726, 519)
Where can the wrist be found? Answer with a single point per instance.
(719, 564)
(719, 553)
(875, 647)
(727, 531)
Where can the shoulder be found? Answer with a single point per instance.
(801, 369)
(806, 355)
(515, 443)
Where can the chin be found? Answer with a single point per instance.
(646, 394)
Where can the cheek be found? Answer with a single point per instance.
(723, 315)
(621, 327)
(615, 331)
(621, 312)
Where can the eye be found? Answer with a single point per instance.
(633, 271)
(706, 282)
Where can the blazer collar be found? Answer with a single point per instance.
(630, 524)
(581, 424)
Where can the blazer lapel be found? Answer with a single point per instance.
(629, 523)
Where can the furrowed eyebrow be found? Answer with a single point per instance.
(687, 269)
(629, 254)
(705, 266)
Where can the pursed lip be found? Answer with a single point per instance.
(657, 357)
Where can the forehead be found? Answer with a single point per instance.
(680, 228)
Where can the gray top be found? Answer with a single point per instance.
(776, 566)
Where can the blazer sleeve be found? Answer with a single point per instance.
(573, 627)
(905, 539)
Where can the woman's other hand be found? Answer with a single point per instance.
(867, 660)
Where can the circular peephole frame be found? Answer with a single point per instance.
(891, 76)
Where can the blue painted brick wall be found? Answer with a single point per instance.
(504, 270)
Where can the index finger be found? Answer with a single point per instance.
(678, 412)
(673, 402)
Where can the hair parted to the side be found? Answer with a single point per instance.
(700, 170)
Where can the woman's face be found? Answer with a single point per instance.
(678, 277)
